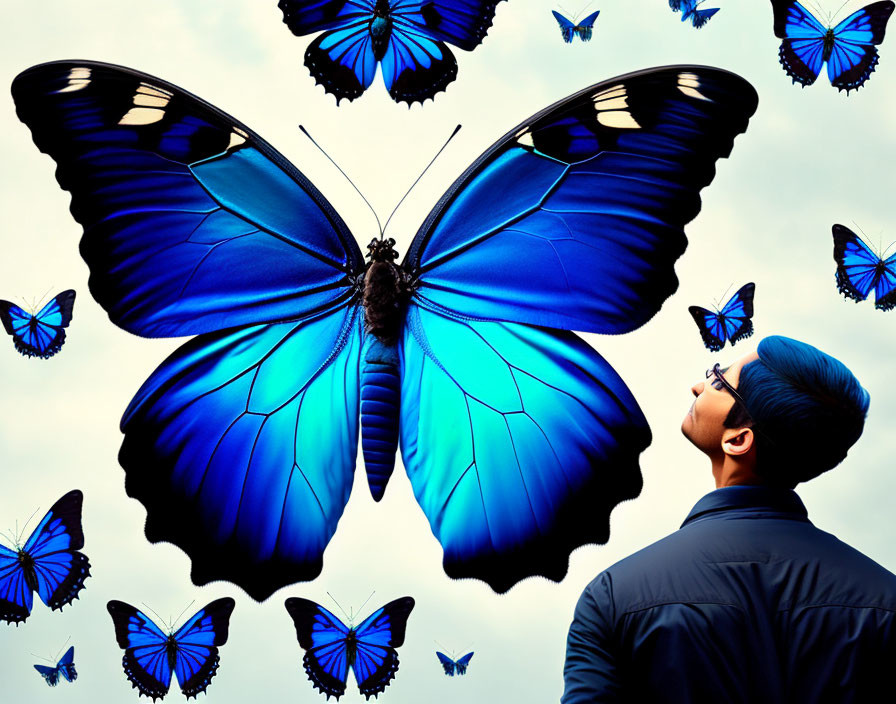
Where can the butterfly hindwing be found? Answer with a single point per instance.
(331, 648)
(859, 270)
(149, 653)
(192, 223)
(518, 441)
(732, 323)
(41, 334)
(242, 447)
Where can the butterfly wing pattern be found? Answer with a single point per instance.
(49, 563)
(406, 39)
(689, 11)
(849, 48)
(859, 270)
(447, 663)
(191, 653)
(462, 663)
(42, 334)
(242, 444)
(567, 28)
(732, 323)
(331, 648)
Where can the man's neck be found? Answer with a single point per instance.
(735, 473)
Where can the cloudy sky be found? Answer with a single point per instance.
(810, 158)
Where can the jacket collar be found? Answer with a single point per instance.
(748, 502)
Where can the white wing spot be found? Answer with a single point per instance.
(78, 78)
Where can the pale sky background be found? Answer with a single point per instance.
(810, 158)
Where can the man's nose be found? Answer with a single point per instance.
(697, 388)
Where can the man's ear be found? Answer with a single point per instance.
(737, 442)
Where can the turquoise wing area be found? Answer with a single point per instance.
(518, 441)
(242, 448)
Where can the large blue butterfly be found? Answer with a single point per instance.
(49, 563)
(859, 270)
(848, 48)
(732, 323)
(518, 438)
(41, 334)
(570, 29)
(191, 653)
(405, 38)
(689, 11)
(331, 647)
(65, 667)
(451, 666)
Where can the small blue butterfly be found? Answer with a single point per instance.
(570, 29)
(689, 11)
(42, 334)
(405, 38)
(331, 647)
(65, 667)
(451, 666)
(848, 48)
(150, 656)
(732, 322)
(49, 563)
(859, 270)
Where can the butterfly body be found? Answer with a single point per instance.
(517, 436)
(406, 39)
(332, 648)
(849, 48)
(65, 668)
(733, 322)
(190, 653)
(49, 563)
(40, 334)
(861, 270)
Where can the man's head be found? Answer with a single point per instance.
(802, 410)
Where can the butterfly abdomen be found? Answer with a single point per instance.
(380, 404)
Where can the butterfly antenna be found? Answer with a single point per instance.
(155, 612)
(719, 302)
(339, 605)
(27, 522)
(366, 600)
(582, 12)
(41, 657)
(831, 17)
(58, 652)
(184, 611)
(305, 132)
(456, 130)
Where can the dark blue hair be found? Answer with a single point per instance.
(807, 408)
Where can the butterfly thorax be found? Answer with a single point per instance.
(351, 646)
(828, 45)
(171, 650)
(385, 292)
(381, 28)
(27, 564)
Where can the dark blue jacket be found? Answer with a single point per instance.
(747, 602)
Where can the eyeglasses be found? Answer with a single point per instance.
(717, 373)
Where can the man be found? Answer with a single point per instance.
(748, 601)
